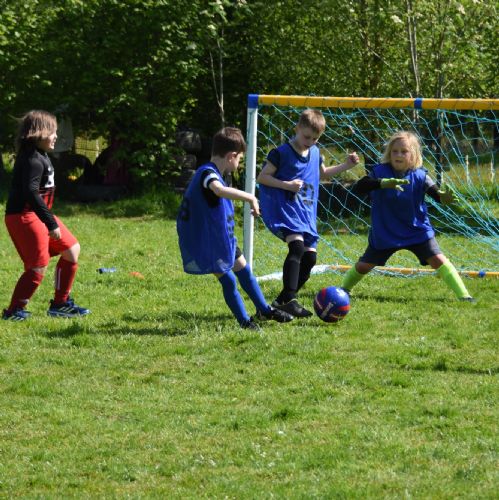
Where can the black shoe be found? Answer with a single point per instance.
(275, 315)
(250, 325)
(294, 308)
(468, 299)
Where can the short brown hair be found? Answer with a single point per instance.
(414, 144)
(313, 119)
(228, 140)
(34, 126)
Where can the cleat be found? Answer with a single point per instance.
(468, 299)
(17, 314)
(275, 315)
(67, 309)
(294, 308)
(250, 325)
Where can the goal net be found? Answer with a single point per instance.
(460, 139)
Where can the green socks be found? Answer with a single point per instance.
(446, 271)
(351, 278)
(452, 279)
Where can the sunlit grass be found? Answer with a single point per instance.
(159, 394)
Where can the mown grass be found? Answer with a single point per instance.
(159, 394)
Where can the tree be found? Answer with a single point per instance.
(143, 66)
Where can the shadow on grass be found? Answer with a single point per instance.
(173, 324)
(442, 366)
(394, 299)
(68, 331)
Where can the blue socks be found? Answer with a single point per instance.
(232, 297)
(251, 287)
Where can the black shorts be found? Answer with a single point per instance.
(423, 251)
(238, 253)
(309, 240)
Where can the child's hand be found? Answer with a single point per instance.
(255, 207)
(352, 160)
(295, 185)
(394, 183)
(55, 234)
(447, 195)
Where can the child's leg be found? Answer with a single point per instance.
(355, 274)
(449, 275)
(31, 239)
(25, 288)
(250, 285)
(69, 250)
(65, 273)
(307, 263)
(291, 271)
(232, 297)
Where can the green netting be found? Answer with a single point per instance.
(460, 148)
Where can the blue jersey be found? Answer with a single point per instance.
(283, 211)
(206, 230)
(399, 219)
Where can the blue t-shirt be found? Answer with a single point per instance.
(206, 228)
(283, 211)
(399, 219)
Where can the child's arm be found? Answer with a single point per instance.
(368, 184)
(445, 196)
(235, 194)
(266, 177)
(328, 172)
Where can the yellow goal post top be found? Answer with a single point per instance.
(255, 100)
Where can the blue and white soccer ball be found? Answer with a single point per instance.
(332, 304)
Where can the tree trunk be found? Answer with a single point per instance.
(413, 48)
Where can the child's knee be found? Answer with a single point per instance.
(364, 267)
(309, 258)
(437, 261)
(240, 263)
(296, 250)
(40, 270)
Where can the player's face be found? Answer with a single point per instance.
(233, 160)
(401, 155)
(47, 143)
(305, 138)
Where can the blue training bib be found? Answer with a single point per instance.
(284, 212)
(399, 219)
(206, 233)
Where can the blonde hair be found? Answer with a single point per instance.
(34, 126)
(414, 145)
(313, 119)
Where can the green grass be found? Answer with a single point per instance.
(158, 394)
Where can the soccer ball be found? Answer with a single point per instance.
(332, 304)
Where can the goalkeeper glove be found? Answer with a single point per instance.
(394, 183)
(449, 198)
(447, 195)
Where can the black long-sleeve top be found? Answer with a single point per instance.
(367, 184)
(33, 186)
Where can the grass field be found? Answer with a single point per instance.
(158, 394)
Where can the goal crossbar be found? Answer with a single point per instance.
(255, 100)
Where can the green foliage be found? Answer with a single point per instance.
(158, 394)
(141, 68)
